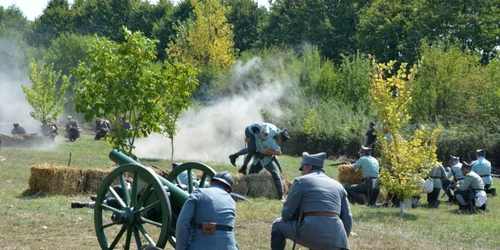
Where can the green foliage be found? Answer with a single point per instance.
(405, 161)
(56, 18)
(45, 96)
(121, 80)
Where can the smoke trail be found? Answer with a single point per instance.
(213, 132)
(14, 107)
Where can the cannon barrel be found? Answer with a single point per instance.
(177, 196)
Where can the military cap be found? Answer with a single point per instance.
(315, 160)
(366, 150)
(454, 158)
(372, 123)
(284, 135)
(466, 165)
(481, 152)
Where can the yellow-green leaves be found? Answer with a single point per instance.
(207, 39)
(46, 96)
(406, 159)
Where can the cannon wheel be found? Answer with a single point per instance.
(191, 167)
(127, 217)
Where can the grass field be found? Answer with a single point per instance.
(48, 222)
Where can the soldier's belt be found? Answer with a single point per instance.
(370, 178)
(210, 227)
(484, 175)
(321, 213)
(459, 179)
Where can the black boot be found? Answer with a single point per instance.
(77, 204)
(232, 159)
(243, 170)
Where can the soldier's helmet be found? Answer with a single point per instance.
(284, 135)
(224, 177)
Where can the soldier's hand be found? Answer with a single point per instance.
(247, 139)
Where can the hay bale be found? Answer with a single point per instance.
(240, 186)
(93, 179)
(52, 179)
(349, 175)
(262, 185)
(28, 140)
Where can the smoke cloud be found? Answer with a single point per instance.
(211, 133)
(14, 106)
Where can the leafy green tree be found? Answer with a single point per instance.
(405, 161)
(14, 30)
(45, 96)
(122, 80)
(56, 18)
(207, 40)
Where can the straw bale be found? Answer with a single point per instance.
(349, 175)
(52, 179)
(240, 185)
(93, 179)
(28, 140)
(262, 185)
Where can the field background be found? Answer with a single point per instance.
(48, 222)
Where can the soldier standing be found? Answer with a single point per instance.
(371, 138)
(370, 185)
(316, 213)
(206, 220)
(483, 168)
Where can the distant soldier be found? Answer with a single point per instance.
(483, 168)
(206, 220)
(455, 171)
(467, 191)
(371, 138)
(370, 185)
(126, 124)
(49, 130)
(72, 129)
(438, 175)
(316, 213)
(18, 130)
(101, 129)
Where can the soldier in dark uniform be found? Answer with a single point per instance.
(72, 129)
(206, 220)
(316, 213)
(101, 129)
(371, 138)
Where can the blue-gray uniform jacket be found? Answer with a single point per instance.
(438, 174)
(457, 169)
(369, 166)
(260, 145)
(211, 204)
(471, 181)
(482, 167)
(316, 192)
(270, 129)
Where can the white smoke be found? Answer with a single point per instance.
(212, 133)
(14, 107)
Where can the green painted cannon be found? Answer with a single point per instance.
(135, 207)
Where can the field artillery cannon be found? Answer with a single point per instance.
(136, 208)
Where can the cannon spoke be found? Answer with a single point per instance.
(135, 183)
(126, 194)
(108, 207)
(144, 209)
(147, 191)
(154, 223)
(203, 179)
(146, 235)
(117, 197)
(137, 237)
(118, 237)
(129, 237)
(108, 225)
(190, 180)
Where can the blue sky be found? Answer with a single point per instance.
(34, 8)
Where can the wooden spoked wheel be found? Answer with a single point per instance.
(193, 169)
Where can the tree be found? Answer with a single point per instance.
(207, 39)
(56, 18)
(46, 98)
(405, 161)
(122, 80)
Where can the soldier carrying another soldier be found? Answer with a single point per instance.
(316, 213)
(370, 185)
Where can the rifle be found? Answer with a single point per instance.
(297, 232)
(163, 171)
(449, 186)
(340, 163)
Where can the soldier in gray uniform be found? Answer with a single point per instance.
(316, 213)
(206, 220)
(370, 185)
(469, 188)
(483, 168)
(438, 175)
(455, 171)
